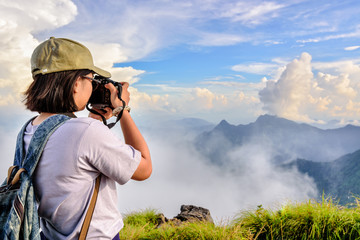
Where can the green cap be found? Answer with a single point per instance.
(61, 54)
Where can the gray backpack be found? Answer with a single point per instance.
(18, 210)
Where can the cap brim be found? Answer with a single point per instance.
(101, 72)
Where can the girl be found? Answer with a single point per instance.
(81, 149)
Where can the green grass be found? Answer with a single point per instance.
(309, 220)
(142, 225)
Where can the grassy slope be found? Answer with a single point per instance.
(311, 220)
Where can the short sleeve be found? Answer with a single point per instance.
(102, 150)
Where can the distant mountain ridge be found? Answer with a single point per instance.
(288, 139)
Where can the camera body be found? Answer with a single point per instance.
(100, 97)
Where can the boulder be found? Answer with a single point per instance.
(188, 213)
(191, 213)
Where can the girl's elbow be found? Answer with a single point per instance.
(147, 173)
(142, 173)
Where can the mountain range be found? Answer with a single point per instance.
(330, 157)
(287, 139)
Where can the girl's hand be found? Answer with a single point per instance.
(125, 95)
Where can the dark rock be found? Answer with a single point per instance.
(190, 213)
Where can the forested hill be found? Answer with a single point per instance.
(339, 179)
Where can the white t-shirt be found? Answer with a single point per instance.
(75, 154)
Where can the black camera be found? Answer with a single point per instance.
(100, 97)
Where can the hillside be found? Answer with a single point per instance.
(339, 179)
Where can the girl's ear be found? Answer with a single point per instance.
(77, 85)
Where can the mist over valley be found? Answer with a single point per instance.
(228, 168)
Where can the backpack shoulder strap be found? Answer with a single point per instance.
(39, 139)
(19, 151)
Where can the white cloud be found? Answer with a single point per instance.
(353, 107)
(8, 99)
(336, 84)
(285, 96)
(105, 55)
(300, 96)
(352, 48)
(37, 15)
(273, 42)
(237, 85)
(252, 13)
(126, 74)
(256, 68)
(219, 39)
(353, 34)
(214, 102)
(218, 78)
(350, 67)
(204, 97)
(18, 20)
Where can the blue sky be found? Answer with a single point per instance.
(215, 56)
(283, 36)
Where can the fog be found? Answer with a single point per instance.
(182, 175)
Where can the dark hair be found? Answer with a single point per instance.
(53, 92)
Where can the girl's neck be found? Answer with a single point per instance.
(39, 119)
